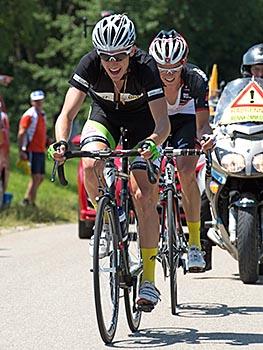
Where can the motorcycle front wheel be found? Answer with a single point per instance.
(247, 244)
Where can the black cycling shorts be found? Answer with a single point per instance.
(107, 125)
(183, 131)
(104, 127)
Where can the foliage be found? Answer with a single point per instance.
(42, 41)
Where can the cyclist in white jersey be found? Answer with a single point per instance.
(186, 92)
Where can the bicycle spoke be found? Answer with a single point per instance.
(105, 273)
(135, 267)
(174, 248)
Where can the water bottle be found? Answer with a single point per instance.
(122, 218)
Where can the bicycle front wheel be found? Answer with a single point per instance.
(105, 270)
(132, 248)
(173, 249)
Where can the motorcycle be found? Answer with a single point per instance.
(234, 183)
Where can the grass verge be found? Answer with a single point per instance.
(55, 203)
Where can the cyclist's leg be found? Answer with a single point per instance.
(184, 136)
(145, 197)
(97, 134)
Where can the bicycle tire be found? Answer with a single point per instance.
(109, 264)
(173, 248)
(132, 249)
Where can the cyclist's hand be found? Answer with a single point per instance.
(57, 150)
(208, 142)
(149, 149)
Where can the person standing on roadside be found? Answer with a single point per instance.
(32, 144)
(5, 79)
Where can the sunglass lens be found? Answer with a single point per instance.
(118, 57)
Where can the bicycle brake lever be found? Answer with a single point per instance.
(151, 173)
(54, 170)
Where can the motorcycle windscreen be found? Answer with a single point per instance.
(241, 102)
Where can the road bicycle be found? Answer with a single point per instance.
(121, 268)
(173, 244)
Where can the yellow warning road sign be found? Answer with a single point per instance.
(246, 107)
(251, 96)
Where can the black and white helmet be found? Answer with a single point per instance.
(113, 33)
(254, 55)
(169, 47)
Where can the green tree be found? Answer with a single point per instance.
(42, 40)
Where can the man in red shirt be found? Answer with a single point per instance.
(32, 143)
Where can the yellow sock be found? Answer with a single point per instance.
(194, 233)
(148, 259)
(106, 216)
(95, 205)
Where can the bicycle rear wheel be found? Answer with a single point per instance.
(105, 272)
(135, 267)
(173, 248)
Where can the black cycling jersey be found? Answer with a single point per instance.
(195, 85)
(143, 83)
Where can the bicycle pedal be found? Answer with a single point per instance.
(196, 270)
(145, 307)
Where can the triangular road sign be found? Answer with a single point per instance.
(251, 96)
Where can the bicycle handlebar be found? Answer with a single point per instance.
(100, 154)
(120, 153)
(172, 152)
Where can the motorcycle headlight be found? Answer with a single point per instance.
(233, 162)
(258, 162)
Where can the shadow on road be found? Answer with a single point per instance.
(216, 310)
(162, 337)
(235, 277)
(4, 250)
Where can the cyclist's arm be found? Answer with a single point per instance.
(73, 101)
(204, 130)
(202, 123)
(162, 128)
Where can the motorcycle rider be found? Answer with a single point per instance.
(252, 63)
(237, 127)
(186, 92)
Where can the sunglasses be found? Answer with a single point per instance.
(170, 70)
(116, 57)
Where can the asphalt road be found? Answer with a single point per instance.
(46, 301)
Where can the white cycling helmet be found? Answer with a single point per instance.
(115, 32)
(169, 47)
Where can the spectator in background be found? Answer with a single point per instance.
(5, 79)
(32, 144)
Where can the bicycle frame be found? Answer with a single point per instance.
(170, 185)
(121, 270)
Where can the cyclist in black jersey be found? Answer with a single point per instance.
(186, 92)
(126, 91)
